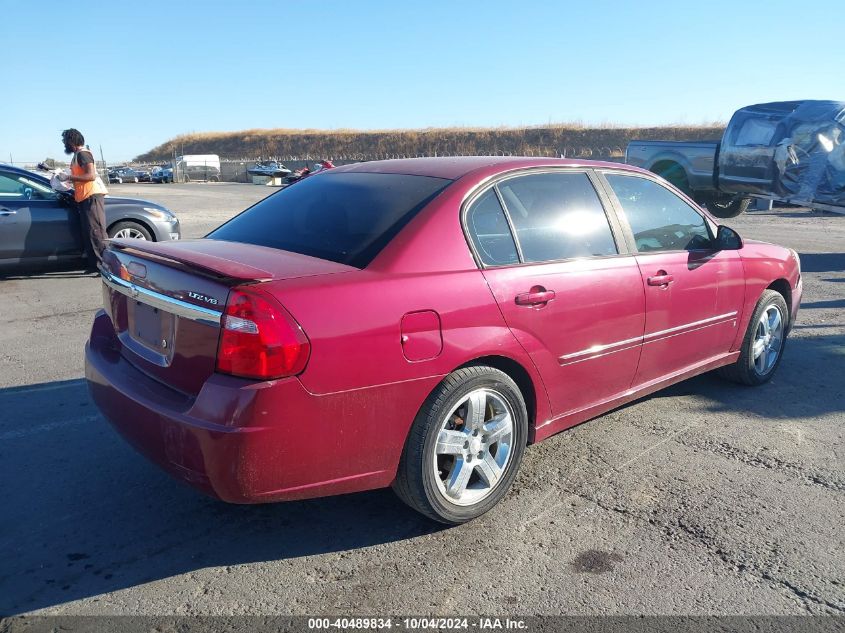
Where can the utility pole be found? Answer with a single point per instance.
(102, 160)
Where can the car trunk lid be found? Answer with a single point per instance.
(166, 299)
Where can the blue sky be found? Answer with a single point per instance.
(130, 75)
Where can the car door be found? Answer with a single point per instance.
(35, 222)
(572, 297)
(693, 293)
(14, 217)
(746, 156)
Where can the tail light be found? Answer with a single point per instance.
(259, 339)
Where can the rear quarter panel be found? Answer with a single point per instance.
(697, 158)
(354, 320)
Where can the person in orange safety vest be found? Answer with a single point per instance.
(88, 192)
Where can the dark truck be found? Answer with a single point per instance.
(789, 151)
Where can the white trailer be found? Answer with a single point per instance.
(205, 167)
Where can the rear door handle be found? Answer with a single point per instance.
(4, 211)
(662, 279)
(537, 296)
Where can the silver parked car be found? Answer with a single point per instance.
(39, 225)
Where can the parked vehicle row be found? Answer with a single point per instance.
(124, 174)
(164, 174)
(161, 174)
(39, 225)
(128, 174)
(417, 323)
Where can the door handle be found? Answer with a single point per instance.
(662, 278)
(5, 211)
(536, 296)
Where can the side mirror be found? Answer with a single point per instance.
(727, 239)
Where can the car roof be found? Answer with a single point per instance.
(21, 171)
(455, 167)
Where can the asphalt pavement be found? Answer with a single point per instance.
(705, 498)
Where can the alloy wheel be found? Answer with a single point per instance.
(129, 233)
(474, 447)
(768, 340)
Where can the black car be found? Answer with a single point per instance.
(124, 174)
(39, 225)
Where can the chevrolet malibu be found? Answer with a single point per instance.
(417, 323)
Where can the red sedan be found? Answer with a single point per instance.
(417, 323)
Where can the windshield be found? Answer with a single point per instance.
(342, 217)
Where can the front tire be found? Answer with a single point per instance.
(130, 230)
(465, 446)
(762, 346)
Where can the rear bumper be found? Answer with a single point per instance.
(251, 442)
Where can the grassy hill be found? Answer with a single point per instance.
(551, 140)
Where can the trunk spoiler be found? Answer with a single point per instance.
(191, 260)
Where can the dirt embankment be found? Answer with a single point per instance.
(553, 140)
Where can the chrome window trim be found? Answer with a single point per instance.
(163, 302)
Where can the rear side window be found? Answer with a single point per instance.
(342, 217)
(659, 219)
(490, 232)
(756, 132)
(557, 216)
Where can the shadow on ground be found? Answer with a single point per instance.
(822, 262)
(809, 382)
(84, 515)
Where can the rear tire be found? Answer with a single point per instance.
(676, 175)
(465, 446)
(723, 207)
(762, 346)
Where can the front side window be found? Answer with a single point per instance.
(659, 219)
(489, 231)
(557, 216)
(18, 187)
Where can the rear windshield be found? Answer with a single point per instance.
(342, 217)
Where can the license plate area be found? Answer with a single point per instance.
(151, 332)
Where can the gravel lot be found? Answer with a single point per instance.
(706, 498)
